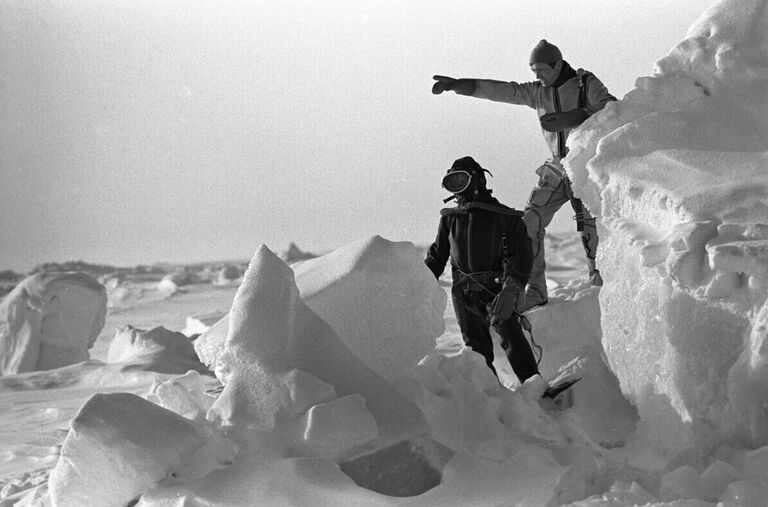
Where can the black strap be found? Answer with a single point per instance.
(505, 260)
(578, 208)
(576, 204)
(504, 246)
(479, 281)
(582, 103)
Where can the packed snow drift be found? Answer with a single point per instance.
(50, 320)
(679, 173)
(342, 380)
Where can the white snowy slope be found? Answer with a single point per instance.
(315, 426)
(302, 421)
(671, 409)
(354, 278)
(277, 343)
(353, 288)
(120, 445)
(678, 172)
(50, 320)
(158, 349)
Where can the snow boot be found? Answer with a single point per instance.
(533, 297)
(595, 279)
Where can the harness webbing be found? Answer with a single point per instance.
(505, 258)
(578, 208)
(582, 90)
(480, 281)
(576, 204)
(504, 246)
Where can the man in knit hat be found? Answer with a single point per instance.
(563, 98)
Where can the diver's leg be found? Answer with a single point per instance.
(471, 316)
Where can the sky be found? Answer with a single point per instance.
(134, 132)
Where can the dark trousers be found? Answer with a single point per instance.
(471, 309)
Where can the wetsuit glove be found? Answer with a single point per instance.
(460, 86)
(504, 305)
(557, 122)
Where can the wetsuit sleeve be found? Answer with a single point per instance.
(506, 91)
(440, 250)
(597, 95)
(522, 258)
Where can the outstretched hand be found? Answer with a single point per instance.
(460, 86)
(443, 84)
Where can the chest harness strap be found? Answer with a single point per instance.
(576, 204)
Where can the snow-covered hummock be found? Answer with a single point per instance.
(315, 426)
(183, 394)
(228, 275)
(295, 254)
(171, 282)
(50, 320)
(198, 324)
(292, 388)
(279, 359)
(568, 331)
(388, 334)
(167, 286)
(678, 173)
(158, 349)
(378, 298)
(120, 445)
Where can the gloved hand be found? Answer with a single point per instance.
(445, 83)
(549, 175)
(504, 305)
(557, 122)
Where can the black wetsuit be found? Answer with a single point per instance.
(475, 237)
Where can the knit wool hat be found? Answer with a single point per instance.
(544, 52)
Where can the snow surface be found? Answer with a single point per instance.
(354, 278)
(50, 320)
(670, 411)
(389, 334)
(677, 170)
(150, 442)
(158, 349)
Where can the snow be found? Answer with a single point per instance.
(158, 349)
(228, 275)
(50, 320)
(183, 394)
(198, 324)
(342, 380)
(354, 277)
(677, 170)
(389, 334)
(120, 445)
(272, 333)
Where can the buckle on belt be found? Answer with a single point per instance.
(579, 217)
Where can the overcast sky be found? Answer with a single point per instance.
(136, 132)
